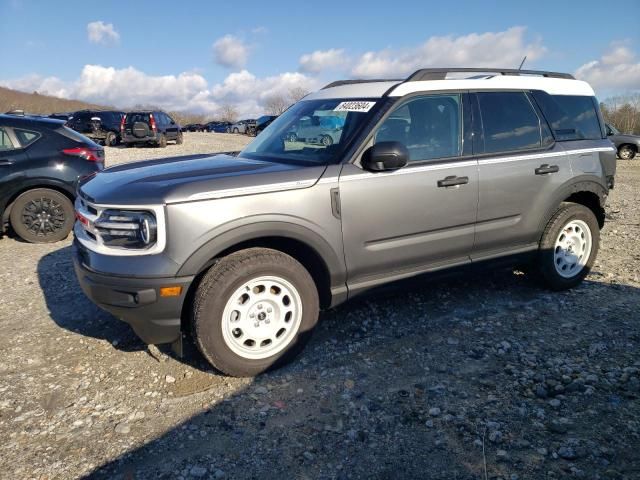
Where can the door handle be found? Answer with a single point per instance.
(6, 161)
(544, 169)
(452, 181)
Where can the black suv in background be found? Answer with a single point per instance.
(149, 128)
(99, 126)
(41, 163)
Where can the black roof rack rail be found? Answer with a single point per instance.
(441, 73)
(339, 83)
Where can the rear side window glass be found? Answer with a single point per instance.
(509, 122)
(5, 141)
(26, 137)
(430, 127)
(572, 117)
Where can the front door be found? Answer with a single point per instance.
(422, 216)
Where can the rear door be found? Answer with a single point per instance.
(520, 166)
(171, 127)
(421, 216)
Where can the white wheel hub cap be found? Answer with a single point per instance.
(262, 317)
(572, 248)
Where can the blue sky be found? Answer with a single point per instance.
(200, 55)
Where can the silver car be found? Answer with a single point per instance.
(425, 174)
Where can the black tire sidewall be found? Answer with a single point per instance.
(23, 199)
(110, 140)
(222, 281)
(629, 149)
(564, 215)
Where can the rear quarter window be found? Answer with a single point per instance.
(571, 117)
(26, 137)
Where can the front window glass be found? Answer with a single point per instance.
(311, 131)
(430, 127)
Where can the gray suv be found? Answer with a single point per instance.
(426, 174)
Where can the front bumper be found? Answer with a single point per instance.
(136, 301)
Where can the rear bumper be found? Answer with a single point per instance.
(136, 301)
(126, 138)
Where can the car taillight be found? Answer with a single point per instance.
(89, 154)
(122, 123)
(152, 121)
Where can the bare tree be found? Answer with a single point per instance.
(297, 93)
(228, 113)
(623, 112)
(276, 104)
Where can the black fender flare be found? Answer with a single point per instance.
(584, 183)
(204, 256)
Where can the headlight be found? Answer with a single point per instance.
(127, 229)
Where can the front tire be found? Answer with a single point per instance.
(569, 246)
(179, 139)
(626, 152)
(254, 310)
(42, 215)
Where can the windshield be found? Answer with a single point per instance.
(312, 131)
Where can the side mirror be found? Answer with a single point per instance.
(385, 156)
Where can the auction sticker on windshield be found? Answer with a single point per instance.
(354, 106)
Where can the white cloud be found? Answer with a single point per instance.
(230, 51)
(188, 91)
(618, 69)
(490, 49)
(104, 33)
(320, 60)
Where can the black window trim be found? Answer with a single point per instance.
(479, 145)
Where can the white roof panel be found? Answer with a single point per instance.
(553, 86)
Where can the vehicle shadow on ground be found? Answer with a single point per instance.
(359, 401)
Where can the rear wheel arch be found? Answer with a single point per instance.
(585, 192)
(51, 186)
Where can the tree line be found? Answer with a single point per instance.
(623, 112)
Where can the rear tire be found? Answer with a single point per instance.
(236, 131)
(42, 215)
(568, 247)
(254, 310)
(110, 140)
(179, 139)
(162, 141)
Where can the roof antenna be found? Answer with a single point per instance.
(522, 62)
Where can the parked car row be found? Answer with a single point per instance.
(110, 128)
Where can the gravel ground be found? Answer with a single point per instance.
(448, 379)
(195, 143)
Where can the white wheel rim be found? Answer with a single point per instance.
(262, 317)
(572, 248)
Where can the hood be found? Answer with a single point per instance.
(175, 180)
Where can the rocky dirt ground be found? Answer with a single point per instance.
(485, 376)
(195, 143)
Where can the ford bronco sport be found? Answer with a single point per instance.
(425, 174)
